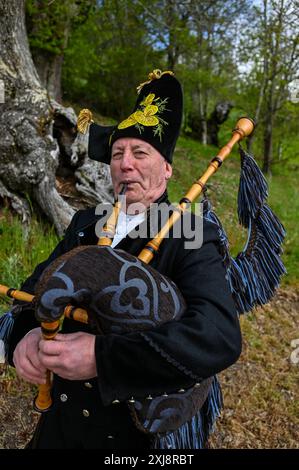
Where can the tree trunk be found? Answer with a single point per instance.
(265, 78)
(171, 49)
(268, 140)
(38, 135)
(203, 119)
(49, 68)
(268, 130)
(250, 138)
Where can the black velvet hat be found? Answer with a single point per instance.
(156, 119)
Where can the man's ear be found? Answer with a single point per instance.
(168, 170)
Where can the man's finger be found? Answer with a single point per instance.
(33, 379)
(51, 348)
(24, 364)
(27, 372)
(68, 336)
(50, 362)
(36, 363)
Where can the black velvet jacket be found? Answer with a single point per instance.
(174, 355)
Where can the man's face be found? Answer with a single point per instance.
(142, 167)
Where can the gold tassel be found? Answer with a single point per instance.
(84, 119)
(155, 74)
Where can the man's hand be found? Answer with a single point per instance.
(71, 356)
(26, 359)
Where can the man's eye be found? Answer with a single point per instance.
(139, 153)
(117, 156)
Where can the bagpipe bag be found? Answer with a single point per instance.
(122, 294)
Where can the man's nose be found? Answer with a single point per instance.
(127, 161)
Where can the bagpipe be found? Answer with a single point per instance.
(133, 296)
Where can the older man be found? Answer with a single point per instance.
(95, 376)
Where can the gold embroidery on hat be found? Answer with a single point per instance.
(154, 75)
(147, 115)
(130, 121)
(148, 99)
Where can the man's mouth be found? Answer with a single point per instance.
(128, 182)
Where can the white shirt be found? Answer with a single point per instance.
(125, 224)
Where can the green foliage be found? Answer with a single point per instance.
(220, 51)
(49, 23)
(107, 57)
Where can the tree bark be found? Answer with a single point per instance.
(49, 69)
(38, 135)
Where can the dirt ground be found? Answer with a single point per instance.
(261, 399)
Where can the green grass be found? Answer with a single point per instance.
(284, 200)
(22, 249)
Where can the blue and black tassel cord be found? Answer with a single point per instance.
(7, 323)
(6, 326)
(255, 273)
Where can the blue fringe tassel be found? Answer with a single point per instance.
(272, 228)
(255, 273)
(6, 326)
(261, 270)
(195, 433)
(253, 189)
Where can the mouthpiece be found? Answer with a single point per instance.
(123, 189)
